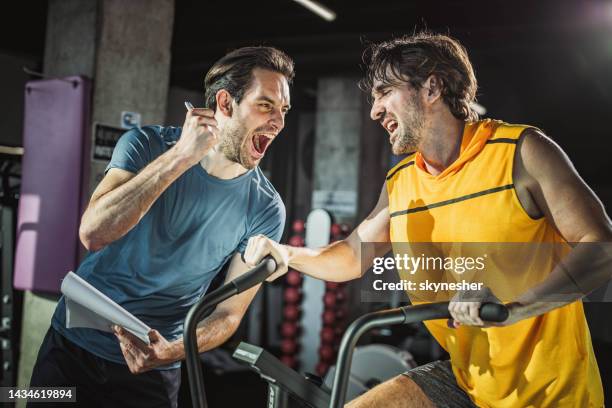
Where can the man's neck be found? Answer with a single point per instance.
(441, 143)
(217, 165)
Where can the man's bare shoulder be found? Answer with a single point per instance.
(535, 143)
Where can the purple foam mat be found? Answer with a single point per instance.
(56, 129)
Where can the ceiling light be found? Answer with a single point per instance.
(318, 9)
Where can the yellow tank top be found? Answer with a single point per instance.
(544, 361)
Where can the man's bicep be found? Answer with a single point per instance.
(375, 227)
(133, 151)
(371, 237)
(560, 193)
(113, 179)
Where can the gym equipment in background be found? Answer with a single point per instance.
(290, 328)
(372, 364)
(334, 312)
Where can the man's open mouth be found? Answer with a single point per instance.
(391, 126)
(260, 143)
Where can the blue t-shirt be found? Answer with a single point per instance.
(163, 265)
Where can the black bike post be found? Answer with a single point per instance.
(491, 312)
(199, 310)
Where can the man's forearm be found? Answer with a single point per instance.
(115, 213)
(337, 262)
(211, 333)
(587, 267)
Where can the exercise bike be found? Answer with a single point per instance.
(284, 384)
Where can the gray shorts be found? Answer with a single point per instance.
(438, 382)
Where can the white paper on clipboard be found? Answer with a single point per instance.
(87, 307)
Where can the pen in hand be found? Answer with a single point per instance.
(190, 107)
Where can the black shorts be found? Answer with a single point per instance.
(438, 382)
(98, 382)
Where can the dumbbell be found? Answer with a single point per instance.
(335, 230)
(327, 335)
(298, 226)
(290, 329)
(322, 368)
(329, 299)
(332, 285)
(292, 295)
(289, 346)
(296, 241)
(326, 352)
(294, 278)
(291, 312)
(329, 317)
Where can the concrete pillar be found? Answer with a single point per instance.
(335, 187)
(351, 151)
(125, 48)
(133, 59)
(336, 165)
(350, 163)
(304, 155)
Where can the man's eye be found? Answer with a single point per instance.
(265, 106)
(380, 94)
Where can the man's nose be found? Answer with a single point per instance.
(377, 112)
(278, 120)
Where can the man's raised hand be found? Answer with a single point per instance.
(199, 134)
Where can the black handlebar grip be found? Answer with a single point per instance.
(255, 276)
(493, 312)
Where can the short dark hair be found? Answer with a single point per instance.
(234, 72)
(417, 57)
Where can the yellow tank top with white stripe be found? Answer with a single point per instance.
(545, 361)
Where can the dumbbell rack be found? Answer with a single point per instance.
(292, 297)
(334, 312)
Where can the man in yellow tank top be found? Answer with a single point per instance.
(470, 180)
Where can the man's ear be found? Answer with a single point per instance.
(433, 87)
(224, 102)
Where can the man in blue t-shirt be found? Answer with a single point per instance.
(175, 205)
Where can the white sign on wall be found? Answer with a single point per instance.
(129, 119)
(338, 202)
